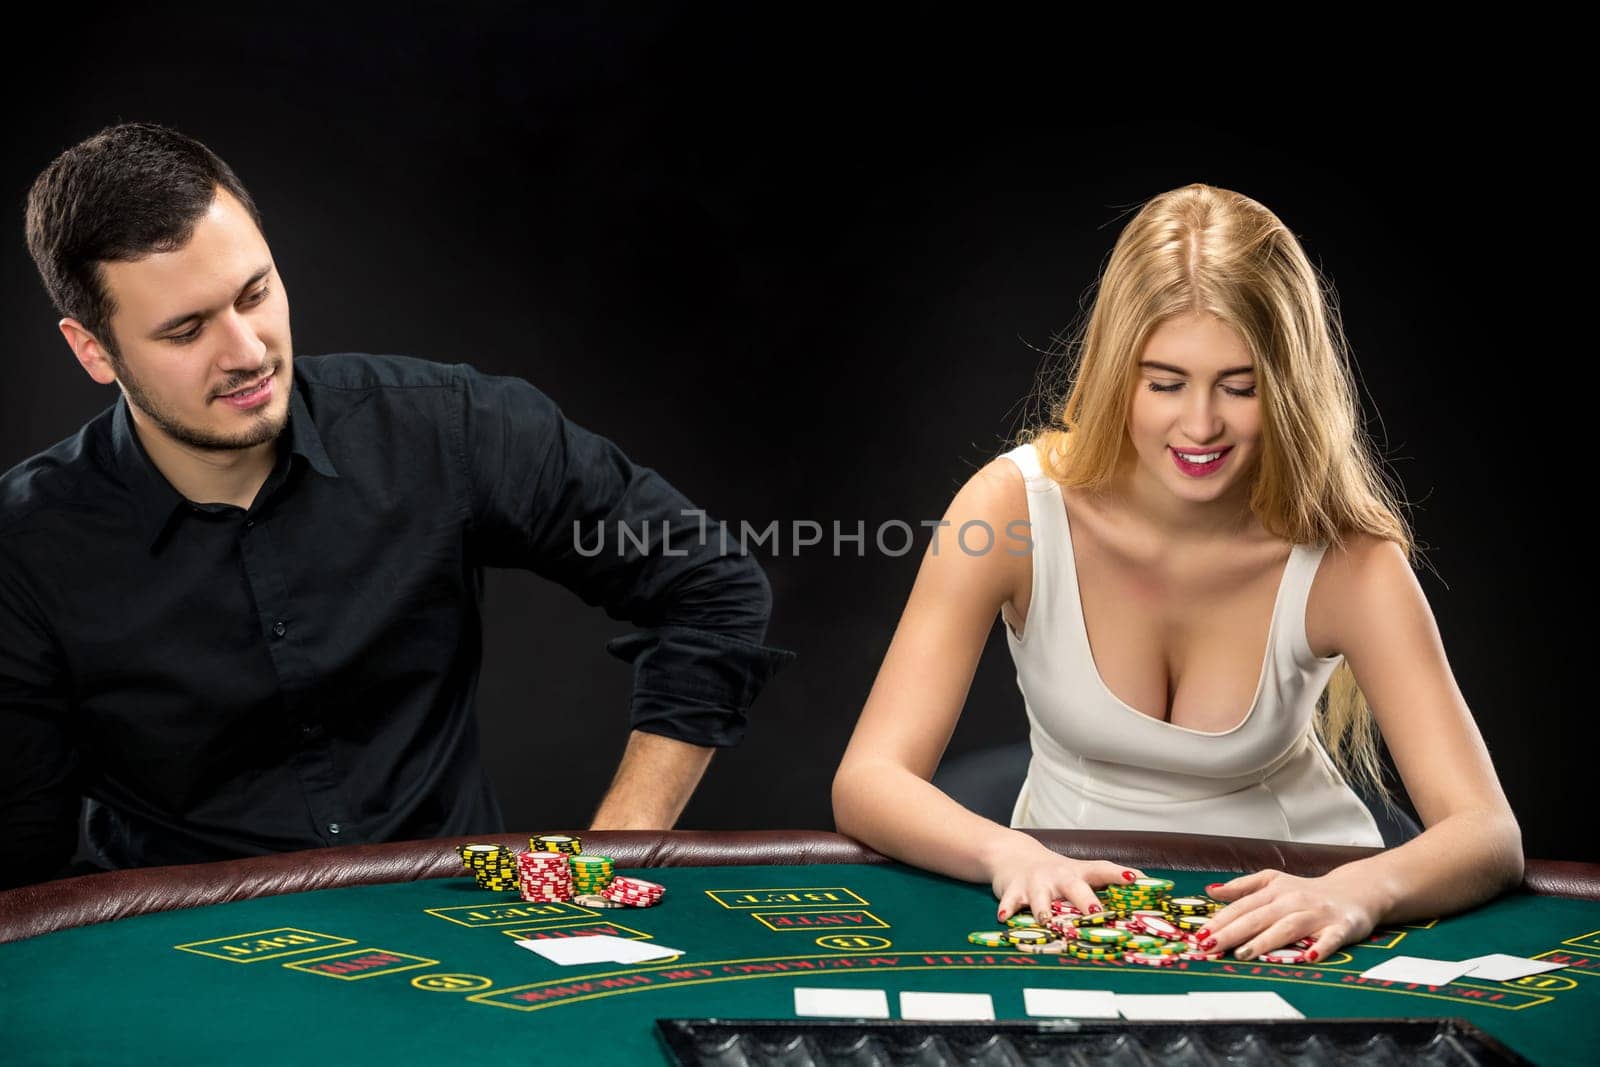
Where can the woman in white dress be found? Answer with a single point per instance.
(1207, 589)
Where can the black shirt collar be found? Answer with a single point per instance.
(157, 501)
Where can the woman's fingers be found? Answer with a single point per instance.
(1283, 932)
(1232, 890)
(1328, 940)
(1039, 902)
(1037, 890)
(1243, 895)
(1244, 924)
(1011, 898)
(1104, 873)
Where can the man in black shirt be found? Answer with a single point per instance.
(239, 608)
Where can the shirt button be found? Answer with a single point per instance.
(333, 828)
(279, 628)
(248, 523)
(306, 729)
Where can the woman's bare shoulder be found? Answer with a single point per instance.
(1000, 490)
(1349, 568)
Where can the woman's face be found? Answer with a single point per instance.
(1196, 396)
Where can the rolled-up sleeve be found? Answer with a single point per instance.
(39, 789)
(546, 495)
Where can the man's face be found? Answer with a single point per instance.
(208, 319)
(1196, 394)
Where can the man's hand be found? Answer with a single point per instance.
(653, 783)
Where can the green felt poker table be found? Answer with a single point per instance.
(391, 954)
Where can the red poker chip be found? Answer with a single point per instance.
(1284, 955)
(627, 882)
(1197, 954)
(1062, 907)
(1149, 959)
(1062, 927)
(1160, 927)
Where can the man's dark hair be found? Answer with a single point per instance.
(127, 192)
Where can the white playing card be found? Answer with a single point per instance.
(1417, 970)
(1160, 1006)
(1499, 967)
(1071, 1003)
(1246, 1006)
(842, 1003)
(598, 948)
(946, 1006)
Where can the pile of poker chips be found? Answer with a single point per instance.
(634, 892)
(1139, 923)
(555, 868)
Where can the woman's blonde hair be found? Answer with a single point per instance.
(1209, 250)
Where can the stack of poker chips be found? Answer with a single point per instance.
(565, 844)
(590, 874)
(494, 867)
(1141, 893)
(545, 876)
(634, 892)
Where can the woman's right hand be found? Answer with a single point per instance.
(1025, 874)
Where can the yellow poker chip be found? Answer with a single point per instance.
(1029, 937)
(1200, 903)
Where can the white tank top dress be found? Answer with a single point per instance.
(1099, 764)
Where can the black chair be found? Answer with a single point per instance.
(987, 782)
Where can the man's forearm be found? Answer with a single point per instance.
(653, 783)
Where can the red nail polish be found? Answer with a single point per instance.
(1002, 914)
(1211, 942)
(1128, 875)
(1203, 934)
(1311, 955)
(1213, 885)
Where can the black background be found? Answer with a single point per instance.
(808, 271)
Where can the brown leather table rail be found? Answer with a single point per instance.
(96, 898)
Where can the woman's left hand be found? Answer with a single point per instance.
(1271, 909)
